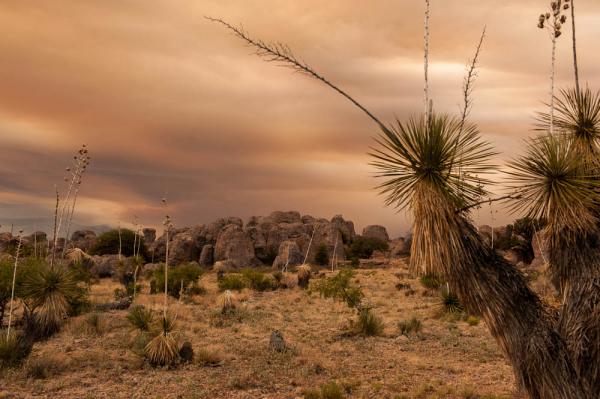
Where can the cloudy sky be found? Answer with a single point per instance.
(169, 103)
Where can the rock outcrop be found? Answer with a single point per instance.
(83, 239)
(235, 247)
(376, 231)
(289, 255)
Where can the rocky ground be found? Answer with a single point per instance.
(449, 358)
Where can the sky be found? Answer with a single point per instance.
(172, 105)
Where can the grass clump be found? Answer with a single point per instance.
(13, 349)
(369, 324)
(410, 327)
(431, 281)
(140, 318)
(304, 275)
(472, 320)
(95, 323)
(45, 367)
(209, 358)
(330, 390)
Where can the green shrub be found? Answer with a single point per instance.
(257, 281)
(13, 349)
(472, 320)
(233, 282)
(369, 324)
(408, 327)
(108, 244)
(322, 255)
(431, 281)
(340, 287)
(363, 247)
(181, 278)
(140, 317)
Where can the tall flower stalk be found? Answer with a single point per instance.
(428, 106)
(575, 65)
(553, 21)
(14, 279)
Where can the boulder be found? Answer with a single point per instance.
(207, 256)
(285, 217)
(105, 265)
(376, 231)
(345, 227)
(235, 246)
(83, 239)
(185, 245)
(149, 235)
(288, 255)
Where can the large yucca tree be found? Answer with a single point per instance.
(561, 181)
(430, 169)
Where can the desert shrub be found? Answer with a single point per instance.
(363, 247)
(449, 302)
(181, 279)
(322, 255)
(13, 349)
(408, 327)
(227, 302)
(95, 323)
(472, 320)
(209, 357)
(304, 274)
(51, 294)
(256, 280)
(163, 349)
(330, 390)
(431, 281)
(140, 317)
(354, 261)
(108, 244)
(341, 288)
(233, 282)
(368, 324)
(45, 366)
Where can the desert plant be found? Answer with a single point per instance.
(449, 302)
(181, 279)
(257, 281)
(12, 294)
(13, 349)
(322, 255)
(163, 349)
(140, 317)
(409, 327)
(209, 358)
(227, 302)
(431, 281)
(231, 281)
(363, 247)
(45, 366)
(472, 320)
(49, 294)
(95, 323)
(368, 323)
(304, 274)
(341, 288)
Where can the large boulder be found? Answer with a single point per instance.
(345, 227)
(289, 255)
(376, 231)
(235, 246)
(185, 245)
(105, 265)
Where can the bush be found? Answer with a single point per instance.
(340, 287)
(322, 255)
(369, 324)
(363, 247)
(431, 281)
(256, 280)
(209, 358)
(182, 278)
(472, 320)
(13, 349)
(232, 282)
(108, 244)
(140, 317)
(408, 327)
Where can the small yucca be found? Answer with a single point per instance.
(449, 302)
(140, 317)
(163, 349)
(304, 274)
(227, 302)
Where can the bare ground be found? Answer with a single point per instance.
(448, 359)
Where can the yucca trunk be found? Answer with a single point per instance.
(489, 286)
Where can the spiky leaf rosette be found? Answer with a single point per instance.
(163, 349)
(432, 168)
(50, 290)
(554, 185)
(576, 113)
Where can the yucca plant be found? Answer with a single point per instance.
(163, 349)
(140, 318)
(13, 349)
(449, 302)
(49, 293)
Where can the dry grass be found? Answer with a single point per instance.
(454, 354)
